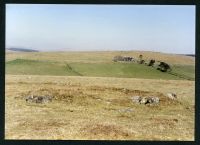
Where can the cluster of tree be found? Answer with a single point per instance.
(151, 62)
(141, 60)
(163, 66)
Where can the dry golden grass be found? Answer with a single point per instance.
(98, 108)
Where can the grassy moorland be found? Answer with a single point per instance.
(92, 97)
(101, 56)
(93, 64)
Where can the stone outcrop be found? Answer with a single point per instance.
(145, 100)
(172, 96)
(38, 99)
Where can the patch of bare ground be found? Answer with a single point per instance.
(104, 131)
(42, 125)
(168, 123)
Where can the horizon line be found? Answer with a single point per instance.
(101, 51)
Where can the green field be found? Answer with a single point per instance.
(104, 69)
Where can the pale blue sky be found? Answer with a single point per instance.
(168, 29)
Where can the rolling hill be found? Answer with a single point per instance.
(21, 50)
(96, 64)
(92, 97)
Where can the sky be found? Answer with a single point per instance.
(56, 27)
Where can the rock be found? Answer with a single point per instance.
(144, 100)
(38, 99)
(149, 101)
(155, 100)
(136, 99)
(172, 96)
(126, 110)
(29, 98)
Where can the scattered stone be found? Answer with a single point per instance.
(136, 99)
(155, 100)
(172, 96)
(149, 100)
(126, 110)
(38, 99)
(145, 100)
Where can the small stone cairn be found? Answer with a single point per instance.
(145, 100)
(172, 96)
(38, 99)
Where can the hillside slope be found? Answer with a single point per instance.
(101, 56)
(96, 64)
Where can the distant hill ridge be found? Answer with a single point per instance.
(193, 55)
(22, 49)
